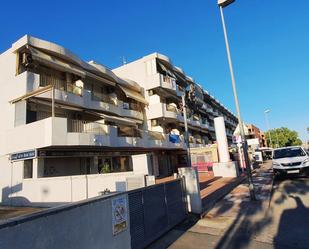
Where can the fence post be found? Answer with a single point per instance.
(192, 188)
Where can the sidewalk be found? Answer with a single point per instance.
(235, 221)
(230, 222)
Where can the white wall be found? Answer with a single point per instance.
(50, 191)
(141, 164)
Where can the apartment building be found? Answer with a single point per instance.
(72, 128)
(164, 85)
(255, 132)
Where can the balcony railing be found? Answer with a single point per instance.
(82, 126)
(60, 84)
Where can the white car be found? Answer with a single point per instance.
(290, 160)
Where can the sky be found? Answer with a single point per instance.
(268, 39)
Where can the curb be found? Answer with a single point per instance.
(219, 194)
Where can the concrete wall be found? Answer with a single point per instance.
(51, 191)
(87, 224)
(141, 164)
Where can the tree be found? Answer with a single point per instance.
(283, 136)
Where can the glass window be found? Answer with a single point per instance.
(115, 164)
(122, 164)
(288, 152)
(28, 166)
(105, 165)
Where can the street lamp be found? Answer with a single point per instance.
(222, 4)
(267, 124)
(268, 127)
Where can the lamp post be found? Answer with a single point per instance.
(222, 4)
(267, 125)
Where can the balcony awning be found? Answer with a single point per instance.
(31, 94)
(118, 120)
(133, 95)
(165, 69)
(53, 62)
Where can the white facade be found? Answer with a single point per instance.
(95, 127)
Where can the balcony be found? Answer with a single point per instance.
(209, 109)
(160, 140)
(211, 127)
(158, 80)
(230, 122)
(67, 132)
(78, 96)
(163, 110)
(131, 110)
(204, 125)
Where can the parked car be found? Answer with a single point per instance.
(290, 160)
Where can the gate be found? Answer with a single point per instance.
(154, 210)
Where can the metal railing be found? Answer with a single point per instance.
(60, 84)
(83, 126)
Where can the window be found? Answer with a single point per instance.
(288, 152)
(28, 168)
(122, 164)
(115, 164)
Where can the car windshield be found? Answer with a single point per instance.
(288, 152)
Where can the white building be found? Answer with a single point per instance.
(72, 129)
(164, 84)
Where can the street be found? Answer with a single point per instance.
(236, 222)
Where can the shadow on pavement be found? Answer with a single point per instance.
(292, 225)
(294, 222)
(245, 226)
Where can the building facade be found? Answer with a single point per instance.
(255, 132)
(69, 122)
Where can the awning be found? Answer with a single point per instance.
(166, 70)
(53, 62)
(133, 95)
(118, 120)
(32, 94)
(101, 79)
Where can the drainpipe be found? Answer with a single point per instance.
(53, 101)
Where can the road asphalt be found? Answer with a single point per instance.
(278, 219)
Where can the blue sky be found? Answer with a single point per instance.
(269, 45)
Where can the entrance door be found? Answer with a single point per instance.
(164, 165)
